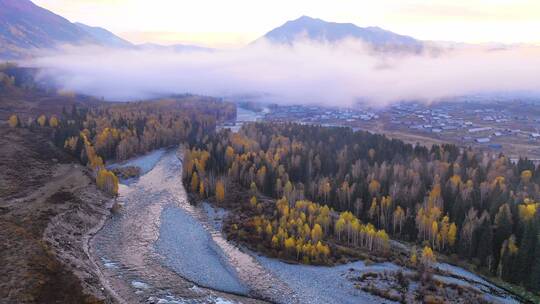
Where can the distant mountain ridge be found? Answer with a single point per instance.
(322, 31)
(26, 27)
(104, 37)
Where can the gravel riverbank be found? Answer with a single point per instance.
(124, 248)
(321, 285)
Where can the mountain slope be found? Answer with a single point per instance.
(104, 37)
(26, 27)
(322, 31)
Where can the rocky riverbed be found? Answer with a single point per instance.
(125, 247)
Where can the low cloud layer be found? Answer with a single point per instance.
(306, 73)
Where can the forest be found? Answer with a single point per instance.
(310, 191)
(118, 131)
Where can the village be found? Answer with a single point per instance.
(498, 126)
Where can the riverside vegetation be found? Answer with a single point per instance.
(118, 131)
(313, 194)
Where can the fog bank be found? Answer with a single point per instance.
(306, 73)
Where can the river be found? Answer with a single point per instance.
(130, 247)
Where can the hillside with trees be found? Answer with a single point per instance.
(310, 192)
(95, 131)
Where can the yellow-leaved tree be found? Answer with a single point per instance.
(42, 120)
(452, 234)
(202, 190)
(414, 257)
(428, 256)
(253, 202)
(53, 122)
(316, 233)
(13, 121)
(107, 181)
(527, 210)
(526, 176)
(220, 191)
(194, 182)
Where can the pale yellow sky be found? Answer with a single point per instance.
(232, 23)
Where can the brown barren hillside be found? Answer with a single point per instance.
(49, 206)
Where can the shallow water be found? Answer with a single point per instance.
(124, 248)
(188, 248)
(235, 263)
(145, 162)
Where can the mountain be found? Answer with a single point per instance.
(26, 27)
(104, 37)
(322, 31)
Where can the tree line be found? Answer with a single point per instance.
(118, 131)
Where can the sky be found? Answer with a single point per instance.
(234, 23)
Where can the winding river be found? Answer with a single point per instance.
(130, 247)
(159, 247)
